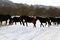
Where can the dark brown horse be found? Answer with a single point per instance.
(43, 20)
(56, 21)
(26, 19)
(4, 18)
(14, 20)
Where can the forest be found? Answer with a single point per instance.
(30, 10)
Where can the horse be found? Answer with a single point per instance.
(43, 20)
(4, 18)
(58, 21)
(14, 19)
(27, 19)
(54, 20)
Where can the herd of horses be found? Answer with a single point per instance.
(27, 19)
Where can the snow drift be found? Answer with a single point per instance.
(20, 32)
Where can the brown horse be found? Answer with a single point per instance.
(26, 19)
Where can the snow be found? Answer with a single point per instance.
(20, 32)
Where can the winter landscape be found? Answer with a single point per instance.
(20, 32)
(29, 20)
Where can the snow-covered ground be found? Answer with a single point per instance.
(20, 32)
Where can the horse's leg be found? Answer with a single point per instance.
(34, 24)
(6, 22)
(15, 23)
(1, 22)
(20, 22)
(40, 24)
(49, 23)
(58, 23)
(9, 22)
(26, 24)
(45, 24)
(54, 23)
(23, 24)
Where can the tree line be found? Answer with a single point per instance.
(30, 10)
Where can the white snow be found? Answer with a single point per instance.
(20, 32)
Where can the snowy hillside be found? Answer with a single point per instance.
(7, 3)
(20, 32)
